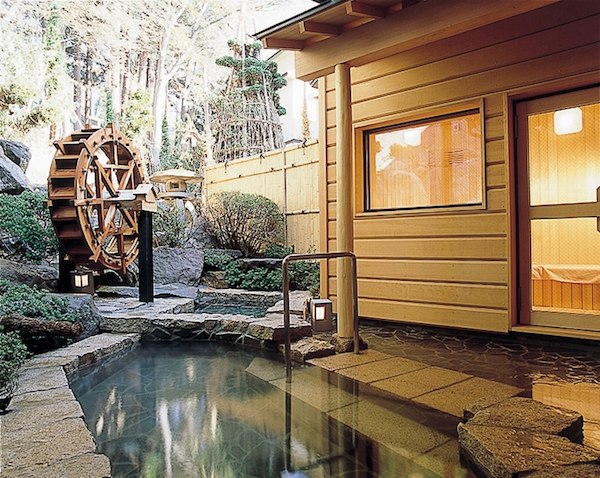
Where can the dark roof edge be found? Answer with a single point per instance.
(301, 16)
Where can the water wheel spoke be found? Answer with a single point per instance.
(126, 177)
(129, 218)
(106, 179)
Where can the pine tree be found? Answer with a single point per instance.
(246, 114)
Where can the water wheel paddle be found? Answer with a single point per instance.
(90, 169)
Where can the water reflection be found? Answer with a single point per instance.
(581, 396)
(193, 411)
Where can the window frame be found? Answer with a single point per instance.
(362, 133)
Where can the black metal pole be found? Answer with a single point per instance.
(145, 257)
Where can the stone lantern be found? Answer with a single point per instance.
(176, 181)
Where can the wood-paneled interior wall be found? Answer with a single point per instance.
(289, 177)
(452, 268)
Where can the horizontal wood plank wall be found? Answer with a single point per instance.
(452, 269)
(289, 177)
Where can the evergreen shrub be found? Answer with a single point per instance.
(24, 300)
(25, 218)
(247, 222)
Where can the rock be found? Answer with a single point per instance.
(12, 179)
(309, 348)
(41, 276)
(271, 328)
(527, 414)
(298, 299)
(178, 264)
(84, 303)
(214, 279)
(343, 345)
(506, 452)
(17, 152)
(581, 470)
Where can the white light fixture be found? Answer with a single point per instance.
(82, 281)
(321, 315)
(568, 121)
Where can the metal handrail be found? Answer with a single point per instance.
(286, 300)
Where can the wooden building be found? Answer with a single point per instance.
(460, 159)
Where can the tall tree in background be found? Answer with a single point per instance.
(245, 117)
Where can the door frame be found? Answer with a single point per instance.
(521, 106)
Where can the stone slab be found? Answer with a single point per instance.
(382, 369)
(89, 465)
(455, 398)
(52, 442)
(131, 307)
(271, 328)
(345, 360)
(309, 348)
(17, 425)
(580, 470)
(313, 390)
(419, 382)
(298, 300)
(37, 380)
(266, 370)
(506, 452)
(528, 414)
(406, 437)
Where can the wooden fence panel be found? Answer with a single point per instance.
(289, 177)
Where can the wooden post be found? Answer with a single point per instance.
(146, 281)
(344, 226)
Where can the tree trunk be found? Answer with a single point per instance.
(116, 90)
(88, 87)
(77, 82)
(125, 76)
(31, 326)
(142, 72)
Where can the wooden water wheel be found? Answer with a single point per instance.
(90, 169)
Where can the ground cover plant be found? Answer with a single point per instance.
(13, 354)
(44, 321)
(304, 275)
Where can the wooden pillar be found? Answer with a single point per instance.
(145, 261)
(344, 215)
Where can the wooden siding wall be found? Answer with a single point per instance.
(289, 177)
(453, 269)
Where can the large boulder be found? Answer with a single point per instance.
(84, 303)
(12, 178)
(41, 276)
(182, 265)
(17, 152)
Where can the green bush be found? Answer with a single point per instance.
(259, 278)
(12, 355)
(171, 225)
(278, 251)
(26, 218)
(216, 260)
(305, 275)
(247, 222)
(21, 299)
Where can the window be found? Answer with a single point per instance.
(437, 162)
